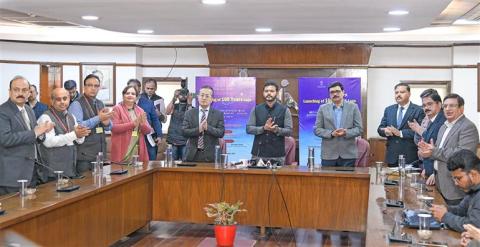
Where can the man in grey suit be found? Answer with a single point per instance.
(203, 126)
(19, 136)
(338, 123)
(457, 133)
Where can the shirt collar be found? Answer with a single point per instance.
(340, 107)
(20, 108)
(405, 107)
(450, 125)
(206, 110)
(433, 118)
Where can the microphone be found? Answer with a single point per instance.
(71, 187)
(108, 162)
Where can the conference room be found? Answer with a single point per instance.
(128, 123)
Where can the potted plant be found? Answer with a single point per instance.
(225, 224)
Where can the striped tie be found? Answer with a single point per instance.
(201, 144)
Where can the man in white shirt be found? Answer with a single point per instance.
(59, 150)
(457, 133)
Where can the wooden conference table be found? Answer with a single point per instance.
(103, 211)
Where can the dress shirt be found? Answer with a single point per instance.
(54, 140)
(338, 112)
(76, 110)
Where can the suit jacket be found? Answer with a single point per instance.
(343, 146)
(395, 144)
(431, 133)
(152, 117)
(122, 129)
(17, 151)
(463, 135)
(190, 129)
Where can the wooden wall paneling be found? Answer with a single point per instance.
(289, 54)
(318, 202)
(377, 149)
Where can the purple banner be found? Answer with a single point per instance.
(235, 97)
(312, 93)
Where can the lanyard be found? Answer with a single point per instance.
(65, 128)
(90, 107)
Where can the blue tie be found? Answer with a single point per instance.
(400, 117)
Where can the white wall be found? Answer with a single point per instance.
(8, 71)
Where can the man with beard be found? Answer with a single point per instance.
(91, 113)
(338, 123)
(395, 128)
(270, 122)
(457, 133)
(203, 126)
(464, 167)
(59, 150)
(177, 110)
(38, 107)
(19, 136)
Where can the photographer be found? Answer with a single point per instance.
(177, 110)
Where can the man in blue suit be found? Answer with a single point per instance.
(434, 119)
(152, 117)
(394, 126)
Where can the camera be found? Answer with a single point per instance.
(184, 91)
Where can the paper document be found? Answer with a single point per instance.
(150, 140)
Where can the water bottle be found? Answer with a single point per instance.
(401, 165)
(218, 152)
(169, 155)
(311, 158)
(99, 163)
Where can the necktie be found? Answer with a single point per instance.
(201, 144)
(25, 118)
(400, 117)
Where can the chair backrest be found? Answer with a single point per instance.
(363, 152)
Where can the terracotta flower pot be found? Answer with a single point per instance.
(225, 235)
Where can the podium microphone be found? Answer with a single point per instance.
(71, 187)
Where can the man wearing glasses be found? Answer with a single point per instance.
(59, 150)
(203, 126)
(464, 167)
(456, 134)
(90, 112)
(338, 123)
(394, 126)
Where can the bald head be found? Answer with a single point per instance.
(60, 99)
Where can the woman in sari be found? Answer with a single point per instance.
(129, 128)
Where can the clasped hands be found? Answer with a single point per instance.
(141, 119)
(425, 149)
(391, 131)
(339, 132)
(43, 128)
(105, 115)
(203, 126)
(270, 125)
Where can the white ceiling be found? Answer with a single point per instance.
(188, 22)
(237, 17)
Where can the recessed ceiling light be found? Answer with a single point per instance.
(145, 31)
(214, 2)
(465, 22)
(263, 29)
(391, 29)
(90, 17)
(398, 12)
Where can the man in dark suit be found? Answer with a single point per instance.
(19, 136)
(152, 118)
(394, 126)
(434, 119)
(203, 126)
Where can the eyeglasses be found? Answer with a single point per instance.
(429, 104)
(445, 106)
(64, 98)
(457, 178)
(23, 91)
(206, 96)
(92, 85)
(335, 92)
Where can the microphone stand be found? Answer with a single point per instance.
(71, 187)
